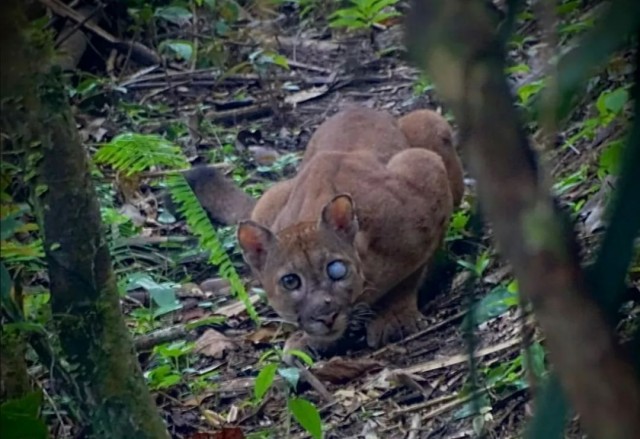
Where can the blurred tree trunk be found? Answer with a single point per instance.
(96, 343)
(14, 380)
(458, 44)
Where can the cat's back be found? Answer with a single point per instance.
(358, 128)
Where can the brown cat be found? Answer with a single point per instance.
(357, 225)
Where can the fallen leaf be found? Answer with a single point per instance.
(306, 95)
(214, 285)
(192, 314)
(236, 307)
(230, 433)
(264, 334)
(339, 370)
(264, 156)
(214, 344)
(190, 290)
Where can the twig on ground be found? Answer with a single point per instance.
(419, 334)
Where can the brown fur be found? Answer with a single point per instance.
(375, 194)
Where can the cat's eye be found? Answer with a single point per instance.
(336, 270)
(290, 281)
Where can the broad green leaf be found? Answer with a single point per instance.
(609, 162)
(264, 380)
(28, 405)
(182, 49)
(612, 101)
(301, 355)
(19, 418)
(492, 305)
(291, 375)
(174, 14)
(307, 416)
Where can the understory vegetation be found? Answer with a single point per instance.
(153, 87)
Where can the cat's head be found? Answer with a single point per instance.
(310, 271)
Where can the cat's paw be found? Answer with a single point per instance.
(392, 326)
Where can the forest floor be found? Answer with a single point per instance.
(255, 123)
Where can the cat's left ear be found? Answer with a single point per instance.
(256, 241)
(339, 216)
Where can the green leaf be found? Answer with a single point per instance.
(301, 355)
(616, 100)
(291, 375)
(19, 418)
(307, 416)
(609, 162)
(131, 153)
(174, 14)
(264, 380)
(497, 302)
(182, 49)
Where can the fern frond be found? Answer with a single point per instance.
(201, 226)
(131, 153)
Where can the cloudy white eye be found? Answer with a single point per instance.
(290, 281)
(336, 270)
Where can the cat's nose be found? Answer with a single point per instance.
(328, 318)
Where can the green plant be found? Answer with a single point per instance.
(198, 221)
(281, 164)
(173, 359)
(363, 14)
(609, 105)
(498, 301)
(20, 418)
(458, 225)
(131, 153)
(477, 267)
(422, 85)
(302, 410)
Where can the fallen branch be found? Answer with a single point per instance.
(139, 52)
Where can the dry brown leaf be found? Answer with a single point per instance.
(235, 308)
(264, 334)
(214, 344)
(214, 285)
(192, 314)
(264, 156)
(339, 370)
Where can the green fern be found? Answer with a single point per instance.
(201, 226)
(131, 153)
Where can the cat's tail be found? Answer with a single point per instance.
(428, 129)
(225, 202)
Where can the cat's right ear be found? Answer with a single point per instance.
(255, 241)
(339, 215)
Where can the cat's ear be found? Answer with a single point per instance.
(256, 241)
(339, 215)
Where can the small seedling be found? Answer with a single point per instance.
(302, 410)
(363, 14)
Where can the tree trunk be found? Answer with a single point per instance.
(85, 305)
(456, 41)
